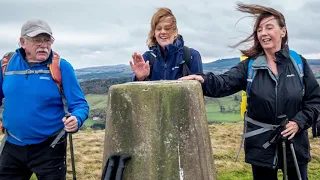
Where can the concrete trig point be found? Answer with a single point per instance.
(163, 126)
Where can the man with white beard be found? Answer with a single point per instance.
(42, 98)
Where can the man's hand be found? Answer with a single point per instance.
(140, 68)
(70, 123)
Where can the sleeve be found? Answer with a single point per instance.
(77, 104)
(310, 101)
(227, 83)
(196, 62)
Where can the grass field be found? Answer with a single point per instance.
(99, 101)
(225, 139)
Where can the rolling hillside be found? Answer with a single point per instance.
(118, 71)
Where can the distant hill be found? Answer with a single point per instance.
(122, 70)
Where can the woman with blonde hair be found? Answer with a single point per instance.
(167, 58)
(281, 100)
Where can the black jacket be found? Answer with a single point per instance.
(271, 96)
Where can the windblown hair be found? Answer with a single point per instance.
(163, 14)
(259, 13)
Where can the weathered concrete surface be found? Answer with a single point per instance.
(163, 125)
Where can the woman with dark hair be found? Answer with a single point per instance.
(276, 90)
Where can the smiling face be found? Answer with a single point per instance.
(270, 34)
(164, 32)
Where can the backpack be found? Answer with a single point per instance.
(298, 64)
(54, 70)
(296, 61)
(184, 65)
(316, 128)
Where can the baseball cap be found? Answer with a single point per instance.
(35, 27)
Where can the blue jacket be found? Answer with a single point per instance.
(33, 109)
(169, 69)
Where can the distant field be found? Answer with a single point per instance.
(89, 122)
(231, 106)
(97, 101)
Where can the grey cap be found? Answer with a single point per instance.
(34, 27)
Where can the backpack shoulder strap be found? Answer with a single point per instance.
(250, 76)
(5, 61)
(298, 64)
(55, 71)
(152, 58)
(185, 64)
(187, 55)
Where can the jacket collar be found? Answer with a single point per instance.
(281, 55)
(22, 52)
(177, 46)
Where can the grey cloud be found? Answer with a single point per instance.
(92, 33)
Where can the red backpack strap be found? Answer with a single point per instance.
(5, 61)
(55, 72)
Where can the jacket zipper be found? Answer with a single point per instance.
(276, 88)
(275, 161)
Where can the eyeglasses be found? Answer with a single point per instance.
(39, 40)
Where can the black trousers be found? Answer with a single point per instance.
(263, 173)
(20, 162)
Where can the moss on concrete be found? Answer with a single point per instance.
(163, 126)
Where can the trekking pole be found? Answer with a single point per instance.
(109, 172)
(285, 170)
(283, 124)
(71, 152)
(295, 161)
(123, 159)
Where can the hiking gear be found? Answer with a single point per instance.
(184, 65)
(113, 169)
(271, 96)
(74, 176)
(284, 140)
(172, 62)
(54, 68)
(122, 160)
(296, 61)
(110, 168)
(42, 117)
(32, 28)
(316, 128)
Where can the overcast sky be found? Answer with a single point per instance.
(107, 32)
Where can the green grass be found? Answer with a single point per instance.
(231, 114)
(97, 101)
(242, 174)
(89, 122)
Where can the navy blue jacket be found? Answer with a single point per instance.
(166, 67)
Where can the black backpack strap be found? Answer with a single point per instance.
(185, 64)
(187, 55)
(152, 58)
